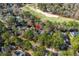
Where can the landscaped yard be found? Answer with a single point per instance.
(32, 32)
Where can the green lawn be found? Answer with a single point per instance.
(43, 17)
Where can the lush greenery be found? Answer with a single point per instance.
(38, 34)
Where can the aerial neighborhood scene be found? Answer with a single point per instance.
(39, 29)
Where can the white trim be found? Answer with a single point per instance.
(39, 1)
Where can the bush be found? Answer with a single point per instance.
(74, 42)
(27, 45)
(39, 51)
(57, 40)
(28, 34)
(69, 52)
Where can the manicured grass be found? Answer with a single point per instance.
(65, 22)
(43, 17)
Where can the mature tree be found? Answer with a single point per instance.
(57, 40)
(44, 39)
(27, 45)
(40, 51)
(69, 52)
(6, 37)
(75, 42)
(5, 54)
(10, 20)
(2, 27)
(16, 40)
(28, 34)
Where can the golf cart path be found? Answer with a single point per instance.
(60, 18)
(44, 13)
